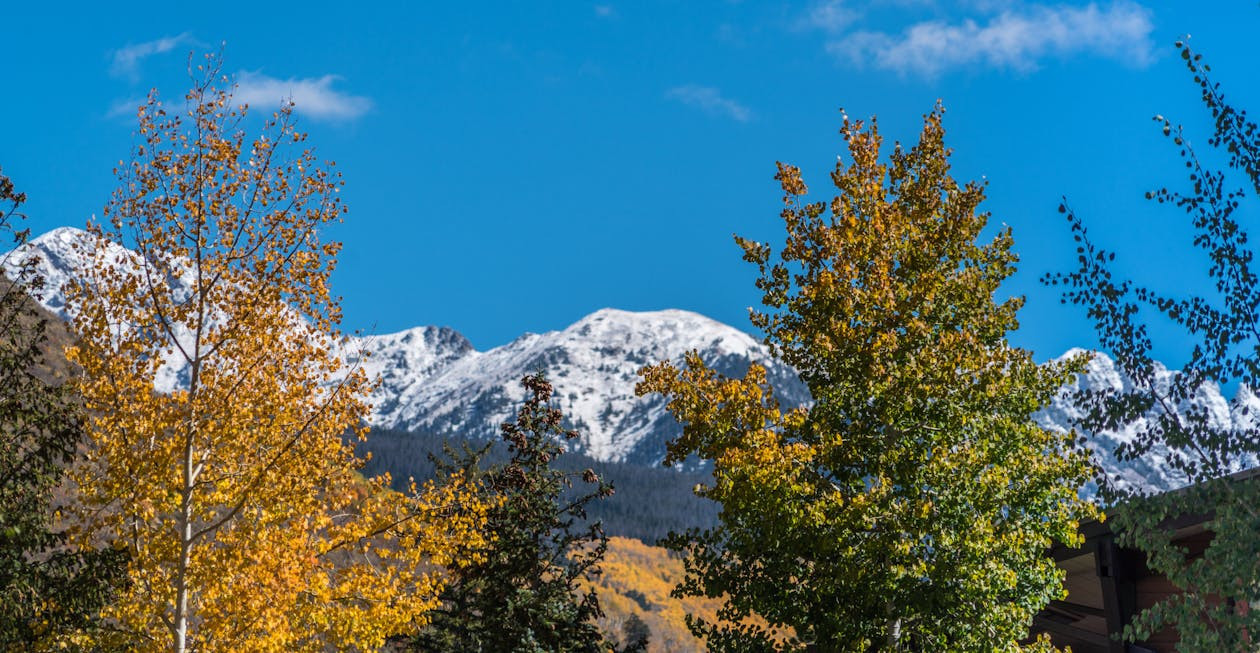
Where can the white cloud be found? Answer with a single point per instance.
(125, 61)
(311, 96)
(710, 100)
(1013, 39)
(829, 16)
(125, 107)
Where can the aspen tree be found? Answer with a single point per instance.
(236, 493)
(909, 508)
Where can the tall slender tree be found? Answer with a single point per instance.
(1176, 432)
(45, 587)
(235, 492)
(909, 508)
(525, 594)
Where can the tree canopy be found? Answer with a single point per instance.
(909, 507)
(219, 408)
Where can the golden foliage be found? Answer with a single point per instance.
(237, 493)
(637, 579)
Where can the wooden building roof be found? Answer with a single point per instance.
(1108, 584)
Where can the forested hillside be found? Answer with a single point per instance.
(635, 589)
(649, 501)
(53, 365)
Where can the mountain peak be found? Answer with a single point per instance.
(665, 314)
(59, 262)
(593, 365)
(675, 315)
(685, 328)
(433, 380)
(60, 235)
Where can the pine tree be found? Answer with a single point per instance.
(45, 588)
(524, 596)
(635, 634)
(908, 508)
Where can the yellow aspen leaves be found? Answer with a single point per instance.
(233, 483)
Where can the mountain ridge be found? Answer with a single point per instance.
(433, 380)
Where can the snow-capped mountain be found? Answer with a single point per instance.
(1150, 473)
(60, 262)
(432, 379)
(593, 365)
(62, 253)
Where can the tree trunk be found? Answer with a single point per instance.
(180, 625)
(894, 628)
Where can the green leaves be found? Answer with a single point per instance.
(1176, 434)
(44, 590)
(909, 507)
(524, 593)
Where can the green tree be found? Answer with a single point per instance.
(1178, 434)
(525, 595)
(909, 508)
(44, 587)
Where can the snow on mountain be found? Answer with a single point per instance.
(1149, 472)
(404, 363)
(62, 255)
(59, 263)
(593, 365)
(433, 380)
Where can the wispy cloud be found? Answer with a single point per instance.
(124, 107)
(125, 61)
(828, 15)
(1015, 39)
(605, 11)
(711, 101)
(311, 96)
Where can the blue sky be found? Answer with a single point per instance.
(511, 167)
